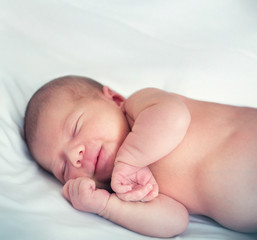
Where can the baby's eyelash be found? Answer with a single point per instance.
(63, 170)
(76, 126)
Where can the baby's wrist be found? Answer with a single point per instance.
(123, 162)
(119, 161)
(106, 210)
(126, 157)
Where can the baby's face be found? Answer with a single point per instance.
(80, 137)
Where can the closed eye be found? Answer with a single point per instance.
(75, 129)
(63, 171)
(77, 126)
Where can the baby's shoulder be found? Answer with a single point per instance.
(151, 96)
(155, 101)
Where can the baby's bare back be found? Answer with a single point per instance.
(214, 170)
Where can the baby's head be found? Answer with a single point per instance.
(74, 127)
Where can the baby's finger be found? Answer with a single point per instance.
(119, 186)
(153, 194)
(86, 185)
(136, 194)
(65, 190)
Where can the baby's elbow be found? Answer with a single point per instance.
(182, 222)
(178, 224)
(183, 118)
(179, 128)
(175, 218)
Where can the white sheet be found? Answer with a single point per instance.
(203, 49)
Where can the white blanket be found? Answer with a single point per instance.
(199, 48)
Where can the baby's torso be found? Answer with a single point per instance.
(214, 169)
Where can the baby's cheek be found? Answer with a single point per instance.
(74, 173)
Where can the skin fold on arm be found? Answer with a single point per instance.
(159, 121)
(161, 217)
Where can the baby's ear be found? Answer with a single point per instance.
(113, 96)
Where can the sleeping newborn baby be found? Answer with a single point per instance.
(148, 161)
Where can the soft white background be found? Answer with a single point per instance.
(205, 49)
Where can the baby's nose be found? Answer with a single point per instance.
(76, 156)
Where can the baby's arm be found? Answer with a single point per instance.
(162, 217)
(159, 121)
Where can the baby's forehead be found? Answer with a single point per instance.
(64, 93)
(54, 102)
(58, 96)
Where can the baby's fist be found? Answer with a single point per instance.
(84, 196)
(133, 183)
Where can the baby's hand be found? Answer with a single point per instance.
(133, 183)
(84, 196)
